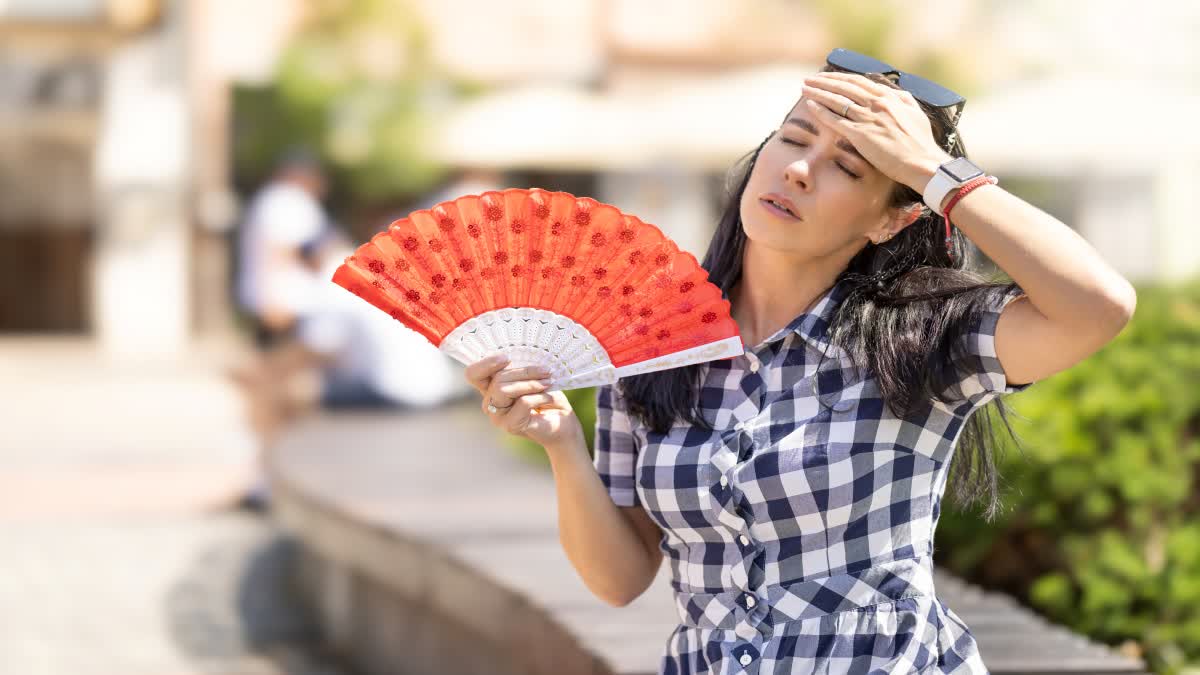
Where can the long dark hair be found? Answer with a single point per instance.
(908, 300)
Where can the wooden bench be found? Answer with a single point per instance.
(429, 548)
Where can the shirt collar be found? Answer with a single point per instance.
(813, 325)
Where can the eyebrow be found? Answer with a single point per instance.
(811, 128)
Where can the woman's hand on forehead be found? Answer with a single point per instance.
(887, 126)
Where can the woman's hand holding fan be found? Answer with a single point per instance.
(546, 279)
(517, 401)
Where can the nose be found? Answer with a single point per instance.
(797, 173)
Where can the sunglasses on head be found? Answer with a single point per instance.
(925, 91)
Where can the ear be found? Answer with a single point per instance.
(907, 215)
(898, 218)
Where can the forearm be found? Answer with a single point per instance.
(1064, 277)
(600, 542)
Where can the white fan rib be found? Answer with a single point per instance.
(574, 357)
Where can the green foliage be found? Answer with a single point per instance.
(1101, 527)
(357, 85)
(873, 28)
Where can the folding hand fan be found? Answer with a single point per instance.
(547, 279)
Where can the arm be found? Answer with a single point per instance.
(613, 548)
(1075, 302)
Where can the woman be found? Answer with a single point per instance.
(796, 489)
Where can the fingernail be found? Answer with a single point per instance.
(545, 382)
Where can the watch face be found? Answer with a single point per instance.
(961, 169)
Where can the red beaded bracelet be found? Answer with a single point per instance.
(962, 192)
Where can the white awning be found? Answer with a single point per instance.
(1062, 126)
(707, 124)
(1081, 125)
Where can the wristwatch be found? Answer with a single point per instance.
(949, 177)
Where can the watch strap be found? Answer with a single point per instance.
(937, 188)
(943, 182)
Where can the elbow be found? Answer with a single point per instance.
(619, 600)
(617, 597)
(623, 595)
(1120, 304)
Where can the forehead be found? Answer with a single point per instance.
(800, 118)
(801, 112)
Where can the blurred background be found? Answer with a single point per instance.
(175, 174)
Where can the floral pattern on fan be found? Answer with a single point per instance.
(548, 279)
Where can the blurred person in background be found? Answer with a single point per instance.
(275, 282)
(345, 354)
(322, 346)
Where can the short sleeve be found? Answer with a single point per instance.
(615, 454)
(980, 377)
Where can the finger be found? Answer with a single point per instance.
(828, 118)
(832, 101)
(512, 390)
(495, 396)
(522, 406)
(481, 371)
(502, 404)
(524, 373)
(861, 82)
(846, 90)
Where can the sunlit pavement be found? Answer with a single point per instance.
(121, 554)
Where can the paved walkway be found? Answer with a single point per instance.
(119, 557)
(430, 511)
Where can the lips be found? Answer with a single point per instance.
(780, 203)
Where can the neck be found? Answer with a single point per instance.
(776, 288)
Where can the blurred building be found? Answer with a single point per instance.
(113, 164)
(114, 147)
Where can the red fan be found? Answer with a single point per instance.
(548, 279)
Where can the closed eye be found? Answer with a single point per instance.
(804, 145)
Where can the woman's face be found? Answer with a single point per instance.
(834, 196)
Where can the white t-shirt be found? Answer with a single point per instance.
(280, 215)
(397, 362)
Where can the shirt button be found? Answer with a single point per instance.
(750, 601)
(746, 659)
(744, 540)
(724, 481)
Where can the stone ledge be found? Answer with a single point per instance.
(429, 548)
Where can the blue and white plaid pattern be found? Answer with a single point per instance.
(800, 536)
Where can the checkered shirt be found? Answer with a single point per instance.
(800, 536)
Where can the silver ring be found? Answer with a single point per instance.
(845, 110)
(491, 407)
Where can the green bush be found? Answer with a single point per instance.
(1101, 530)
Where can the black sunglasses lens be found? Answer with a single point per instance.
(928, 91)
(857, 63)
